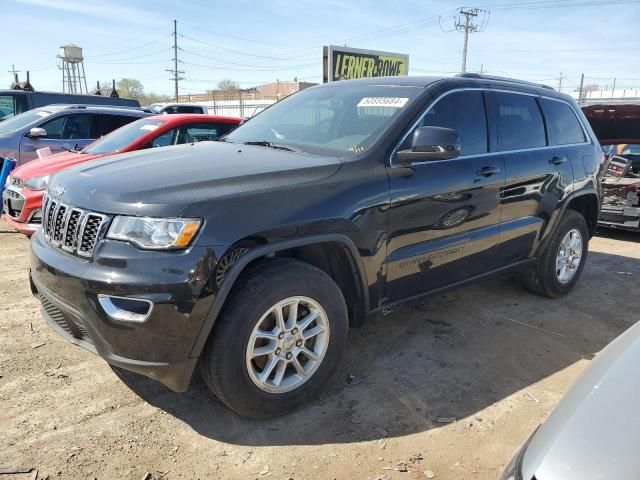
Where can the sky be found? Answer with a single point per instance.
(254, 42)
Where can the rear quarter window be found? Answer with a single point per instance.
(563, 124)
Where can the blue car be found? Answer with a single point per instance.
(60, 127)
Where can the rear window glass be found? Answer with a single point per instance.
(519, 122)
(563, 123)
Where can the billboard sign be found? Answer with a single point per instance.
(342, 63)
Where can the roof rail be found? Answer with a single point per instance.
(503, 79)
(98, 105)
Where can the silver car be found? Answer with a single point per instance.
(594, 432)
(60, 127)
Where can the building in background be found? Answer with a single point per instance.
(268, 91)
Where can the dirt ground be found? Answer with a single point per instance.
(452, 385)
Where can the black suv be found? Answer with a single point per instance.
(253, 255)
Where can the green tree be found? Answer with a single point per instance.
(130, 88)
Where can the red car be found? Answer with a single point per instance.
(617, 127)
(22, 197)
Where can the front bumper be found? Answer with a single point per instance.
(175, 282)
(627, 218)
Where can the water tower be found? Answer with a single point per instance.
(73, 77)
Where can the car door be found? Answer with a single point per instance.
(444, 215)
(537, 175)
(64, 132)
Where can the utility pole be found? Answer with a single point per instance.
(613, 89)
(465, 23)
(15, 73)
(580, 90)
(560, 83)
(176, 73)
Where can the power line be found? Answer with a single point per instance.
(555, 4)
(232, 50)
(189, 52)
(129, 49)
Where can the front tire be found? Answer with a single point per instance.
(278, 341)
(560, 265)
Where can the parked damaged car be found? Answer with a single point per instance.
(618, 130)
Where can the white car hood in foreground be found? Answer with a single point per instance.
(594, 432)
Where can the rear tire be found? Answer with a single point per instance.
(259, 359)
(560, 265)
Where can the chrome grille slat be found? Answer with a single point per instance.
(17, 182)
(59, 224)
(72, 229)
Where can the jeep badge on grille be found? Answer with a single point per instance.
(58, 190)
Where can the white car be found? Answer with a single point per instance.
(177, 108)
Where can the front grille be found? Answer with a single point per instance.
(64, 320)
(13, 208)
(72, 229)
(13, 194)
(16, 182)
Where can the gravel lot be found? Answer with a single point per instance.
(452, 385)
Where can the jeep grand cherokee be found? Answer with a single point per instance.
(252, 256)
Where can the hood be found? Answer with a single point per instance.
(50, 165)
(163, 182)
(614, 124)
(594, 431)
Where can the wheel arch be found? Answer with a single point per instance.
(345, 269)
(586, 203)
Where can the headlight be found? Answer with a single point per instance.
(37, 183)
(154, 233)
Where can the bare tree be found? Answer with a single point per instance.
(229, 88)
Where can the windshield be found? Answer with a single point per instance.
(122, 137)
(24, 119)
(340, 120)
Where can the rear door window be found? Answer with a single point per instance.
(519, 121)
(104, 123)
(563, 124)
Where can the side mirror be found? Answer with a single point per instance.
(37, 133)
(431, 143)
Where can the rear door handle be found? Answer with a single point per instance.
(488, 171)
(557, 160)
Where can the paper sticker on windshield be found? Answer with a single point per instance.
(151, 127)
(393, 102)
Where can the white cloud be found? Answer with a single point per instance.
(105, 11)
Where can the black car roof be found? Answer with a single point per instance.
(467, 80)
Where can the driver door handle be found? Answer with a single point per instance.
(557, 160)
(487, 171)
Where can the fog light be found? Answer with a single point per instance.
(125, 309)
(36, 217)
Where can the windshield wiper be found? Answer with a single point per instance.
(268, 144)
(72, 150)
